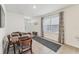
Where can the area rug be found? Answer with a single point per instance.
(51, 45)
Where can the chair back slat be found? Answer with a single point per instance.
(8, 36)
(26, 42)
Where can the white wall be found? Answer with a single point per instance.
(15, 22)
(71, 24)
(31, 27)
(37, 28)
(2, 32)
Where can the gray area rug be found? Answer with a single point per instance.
(51, 45)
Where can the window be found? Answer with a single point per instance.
(51, 23)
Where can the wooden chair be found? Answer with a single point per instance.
(18, 33)
(23, 34)
(25, 45)
(29, 33)
(26, 34)
(15, 34)
(10, 44)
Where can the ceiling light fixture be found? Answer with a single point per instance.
(34, 6)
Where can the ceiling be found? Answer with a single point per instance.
(28, 10)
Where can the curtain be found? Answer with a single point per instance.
(42, 32)
(61, 28)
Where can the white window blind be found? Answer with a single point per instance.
(51, 23)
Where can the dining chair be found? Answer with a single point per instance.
(10, 44)
(26, 34)
(14, 34)
(19, 33)
(25, 45)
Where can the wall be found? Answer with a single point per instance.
(71, 24)
(2, 32)
(37, 27)
(31, 27)
(15, 22)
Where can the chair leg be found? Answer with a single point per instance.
(19, 51)
(8, 49)
(14, 48)
(31, 50)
